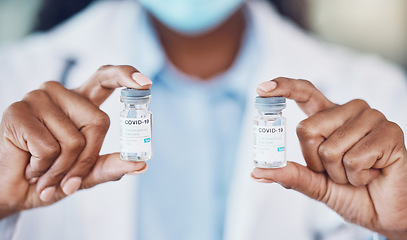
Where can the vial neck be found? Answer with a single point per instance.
(135, 106)
(270, 113)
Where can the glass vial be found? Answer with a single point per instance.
(269, 133)
(135, 125)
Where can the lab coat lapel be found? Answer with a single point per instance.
(240, 216)
(102, 212)
(262, 211)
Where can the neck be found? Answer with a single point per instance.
(207, 55)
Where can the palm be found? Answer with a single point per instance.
(379, 205)
(22, 194)
(376, 205)
(359, 204)
(32, 198)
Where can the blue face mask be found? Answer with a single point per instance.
(191, 16)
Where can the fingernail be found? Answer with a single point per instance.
(47, 194)
(72, 185)
(33, 180)
(267, 86)
(262, 180)
(141, 79)
(143, 170)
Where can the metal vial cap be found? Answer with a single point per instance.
(270, 103)
(131, 92)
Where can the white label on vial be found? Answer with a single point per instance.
(269, 144)
(135, 135)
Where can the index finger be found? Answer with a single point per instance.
(99, 87)
(307, 96)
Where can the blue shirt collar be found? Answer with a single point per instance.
(151, 60)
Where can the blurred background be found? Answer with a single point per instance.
(374, 26)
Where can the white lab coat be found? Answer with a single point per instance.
(254, 210)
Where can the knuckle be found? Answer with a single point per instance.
(305, 130)
(357, 182)
(101, 120)
(127, 68)
(16, 109)
(394, 131)
(278, 79)
(393, 128)
(76, 142)
(353, 180)
(308, 137)
(372, 113)
(51, 150)
(328, 154)
(117, 178)
(358, 178)
(50, 85)
(306, 83)
(104, 68)
(350, 162)
(360, 103)
(390, 131)
(36, 95)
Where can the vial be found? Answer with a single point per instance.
(135, 125)
(269, 133)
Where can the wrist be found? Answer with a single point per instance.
(394, 235)
(7, 212)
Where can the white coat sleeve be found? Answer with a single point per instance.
(8, 227)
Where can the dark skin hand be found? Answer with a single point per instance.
(356, 159)
(50, 141)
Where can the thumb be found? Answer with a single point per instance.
(111, 168)
(297, 177)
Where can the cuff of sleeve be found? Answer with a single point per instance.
(8, 226)
(377, 236)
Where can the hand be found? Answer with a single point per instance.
(356, 159)
(50, 141)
